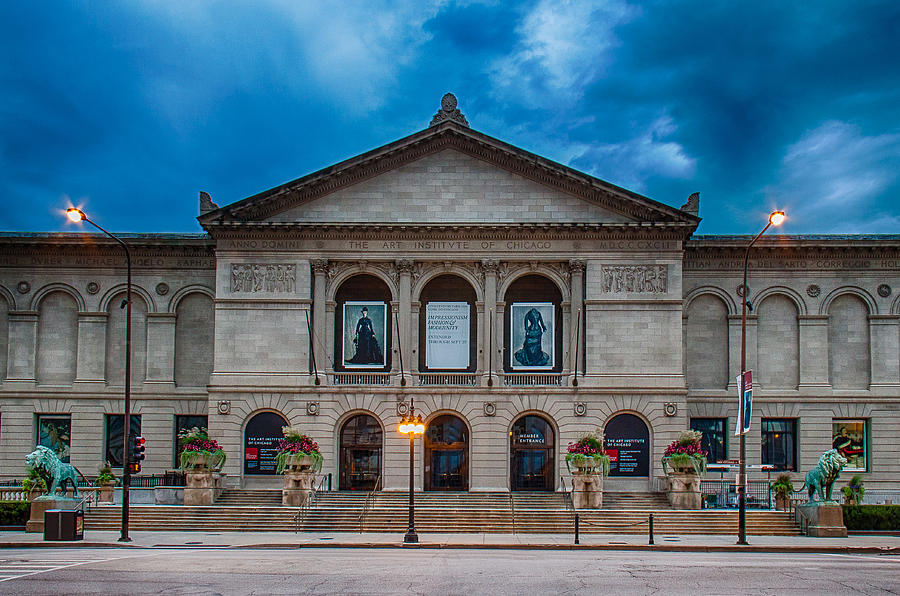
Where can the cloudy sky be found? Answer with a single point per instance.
(130, 108)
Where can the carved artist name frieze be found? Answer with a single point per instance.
(278, 279)
(640, 279)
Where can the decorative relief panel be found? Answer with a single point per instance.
(639, 279)
(278, 279)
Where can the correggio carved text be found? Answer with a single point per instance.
(278, 279)
(641, 279)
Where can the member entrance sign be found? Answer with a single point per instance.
(447, 335)
(745, 403)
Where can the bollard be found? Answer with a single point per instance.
(651, 529)
(577, 519)
(329, 481)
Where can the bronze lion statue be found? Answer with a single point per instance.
(48, 466)
(820, 480)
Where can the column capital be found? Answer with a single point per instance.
(405, 266)
(490, 265)
(319, 266)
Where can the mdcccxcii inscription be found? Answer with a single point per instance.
(641, 279)
(263, 278)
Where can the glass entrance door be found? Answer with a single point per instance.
(531, 454)
(447, 454)
(361, 452)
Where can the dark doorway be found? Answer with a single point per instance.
(447, 454)
(531, 463)
(361, 451)
(261, 439)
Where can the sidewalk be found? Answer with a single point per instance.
(663, 542)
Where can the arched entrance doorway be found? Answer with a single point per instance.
(531, 442)
(361, 450)
(261, 438)
(447, 454)
(627, 443)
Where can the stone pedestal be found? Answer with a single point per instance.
(824, 520)
(587, 491)
(40, 505)
(297, 488)
(199, 488)
(107, 491)
(684, 490)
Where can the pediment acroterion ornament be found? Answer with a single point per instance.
(449, 111)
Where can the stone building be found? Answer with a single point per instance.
(519, 302)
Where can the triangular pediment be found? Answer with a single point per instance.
(448, 174)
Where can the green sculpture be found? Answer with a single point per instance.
(820, 480)
(54, 472)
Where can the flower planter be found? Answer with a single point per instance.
(684, 490)
(298, 462)
(200, 461)
(107, 490)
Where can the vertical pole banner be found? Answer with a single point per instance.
(745, 403)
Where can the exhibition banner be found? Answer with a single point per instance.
(365, 328)
(532, 335)
(745, 403)
(447, 335)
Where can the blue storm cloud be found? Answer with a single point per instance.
(129, 109)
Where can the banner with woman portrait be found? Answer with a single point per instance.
(55, 432)
(849, 438)
(532, 336)
(365, 327)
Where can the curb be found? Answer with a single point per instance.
(684, 548)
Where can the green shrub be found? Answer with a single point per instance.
(872, 517)
(14, 513)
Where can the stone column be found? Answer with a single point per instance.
(318, 322)
(22, 345)
(813, 350)
(161, 349)
(489, 356)
(885, 349)
(91, 361)
(576, 287)
(404, 313)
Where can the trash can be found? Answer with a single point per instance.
(61, 524)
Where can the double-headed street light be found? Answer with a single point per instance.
(412, 425)
(775, 219)
(77, 216)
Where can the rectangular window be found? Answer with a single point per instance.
(115, 436)
(779, 443)
(186, 423)
(850, 438)
(54, 431)
(713, 441)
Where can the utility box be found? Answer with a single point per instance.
(61, 524)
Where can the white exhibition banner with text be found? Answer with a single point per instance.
(447, 335)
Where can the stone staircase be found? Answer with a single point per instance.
(545, 513)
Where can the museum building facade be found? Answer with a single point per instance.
(518, 302)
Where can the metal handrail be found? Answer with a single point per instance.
(567, 495)
(365, 509)
(310, 503)
(512, 512)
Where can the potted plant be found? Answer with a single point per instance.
(199, 452)
(784, 490)
(854, 491)
(685, 455)
(586, 455)
(297, 452)
(34, 484)
(106, 480)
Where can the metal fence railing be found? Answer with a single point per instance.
(723, 493)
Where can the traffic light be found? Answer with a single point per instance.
(137, 454)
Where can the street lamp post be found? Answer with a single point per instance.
(77, 215)
(412, 425)
(775, 219)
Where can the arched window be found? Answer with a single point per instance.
(362, 444)
(448, 326)
(362, 325)
(706, 343)
(533, 325)
(627, 442)
(4, 336)
(531, 448)
(115, 340)
(447, 454)
(194, 338)
(57, 342)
